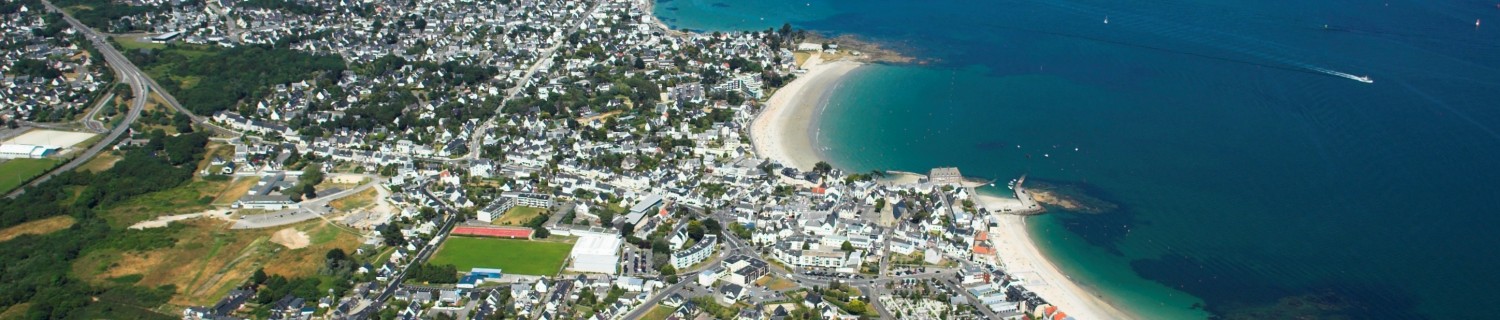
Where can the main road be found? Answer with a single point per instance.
(386, 293)
(122, 68)
(476, 141)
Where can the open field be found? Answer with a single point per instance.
(236, 189)
(658, 313)
(15, 172)
(355, 201)
(101, 161)
(137, 43)
(43, 137)
(777, 283)
(208, 259)
(43, 226)
(513, 256)
(518, 216)
(194, 196)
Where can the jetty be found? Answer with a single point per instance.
(1029, 205)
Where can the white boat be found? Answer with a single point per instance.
(1365, 79)
(1106, 19)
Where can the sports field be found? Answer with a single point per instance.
(529, 257)
(15, 172)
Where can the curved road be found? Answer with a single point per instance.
(122, 68)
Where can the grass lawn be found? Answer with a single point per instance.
(133, 43)
(43, 226)
(801, 57)
(777, 283)
(355, 201)
(15, 172)
(101, 161)
(236, 189)
(658, 313)
(528, 257)
(518, 215)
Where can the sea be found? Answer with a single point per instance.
(1248, 171)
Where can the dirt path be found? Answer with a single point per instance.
(163, 221)
(291, 238)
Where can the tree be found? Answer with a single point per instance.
(313, 174)
(857, 306)
(668, 270)
(822, 167)
(847, 247)
(392, 236)
(695, 230)
(806, 246)
(713, 227)
(259, 277)
(183, 123)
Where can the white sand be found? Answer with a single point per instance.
(1020, 257)
(782, 132)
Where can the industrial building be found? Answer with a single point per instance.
(596, 253)
(26, 151)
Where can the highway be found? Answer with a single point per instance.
(122, 68)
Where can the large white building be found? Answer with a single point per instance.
(527, 199)
(496, 209)
(22, 151)
(596, 253)
(697, 253)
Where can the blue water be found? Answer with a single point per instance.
(1251, 181)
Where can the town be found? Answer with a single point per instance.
(486, 159)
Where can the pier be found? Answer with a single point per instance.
(1029, 205)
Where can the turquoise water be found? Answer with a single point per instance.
(1251, 178)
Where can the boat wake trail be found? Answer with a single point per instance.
(1269, 53)
(1365, 79)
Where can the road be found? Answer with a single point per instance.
(476, 141)
(307, 210)
(127, 69)
(988, 314)
(122, 68)
(369, 311)
(91, 120)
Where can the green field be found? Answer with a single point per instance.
(131, 43)
(658, 313)
(529, 257)
(15, 172)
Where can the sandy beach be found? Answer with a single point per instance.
(784, 131)
(1021, 257)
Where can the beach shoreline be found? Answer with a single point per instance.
(785, 130)
(1023, 258)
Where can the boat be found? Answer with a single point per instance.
(1106, 19)
(1365, 79)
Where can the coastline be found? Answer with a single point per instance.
(1019, 254)
(784, 130)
